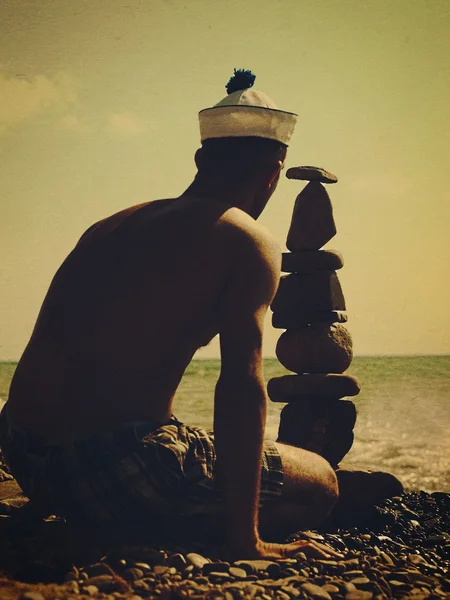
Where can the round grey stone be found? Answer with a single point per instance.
(316, 349)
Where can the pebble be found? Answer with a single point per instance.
(72, 587)
(315, 591)
(188, 570)
(252, 566)
(145, 567)
(436, 540)
(142, 586)
(395, 583)
(104, 583)
(218, 567)
(99, 569)
(219, 576)
(300, 556)
(359, 581)
(197, 560)
(354, 573)
(91, 590)
(387, 559)
(331, 588)
(178, 561)
(358, 595)
(287, 561)
(132, 574)
(416, 559)
(237, 572)
(32, 596)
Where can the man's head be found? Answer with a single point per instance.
(252, 163)
(244, 140)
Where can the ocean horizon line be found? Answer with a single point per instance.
(14, 361)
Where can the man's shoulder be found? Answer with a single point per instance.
(243, 229)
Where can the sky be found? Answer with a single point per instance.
(98, 111)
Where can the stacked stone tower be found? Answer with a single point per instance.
(316, 346)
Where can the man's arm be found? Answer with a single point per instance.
(240, 399)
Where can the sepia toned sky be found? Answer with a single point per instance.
(98, 111)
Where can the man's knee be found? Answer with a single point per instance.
(308, 479)
(328, 492)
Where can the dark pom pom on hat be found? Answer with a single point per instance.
(241, 80)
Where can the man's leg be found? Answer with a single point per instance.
(310, 490)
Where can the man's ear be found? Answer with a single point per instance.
(198, 158)
(274, 173)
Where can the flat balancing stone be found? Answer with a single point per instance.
(305, 261)
(294, 321)
(309, 173)
(283, 389)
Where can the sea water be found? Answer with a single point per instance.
(403, 423)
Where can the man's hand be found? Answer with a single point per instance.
(308, 547)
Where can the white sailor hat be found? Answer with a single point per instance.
(246, 113)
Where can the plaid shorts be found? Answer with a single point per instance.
(137, 470)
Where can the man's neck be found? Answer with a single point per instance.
(239, 196)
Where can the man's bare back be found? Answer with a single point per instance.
(125, 313)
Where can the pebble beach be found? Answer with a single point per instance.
(400, 549)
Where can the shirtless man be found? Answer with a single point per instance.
(88, 427)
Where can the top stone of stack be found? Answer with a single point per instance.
(308, 173)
